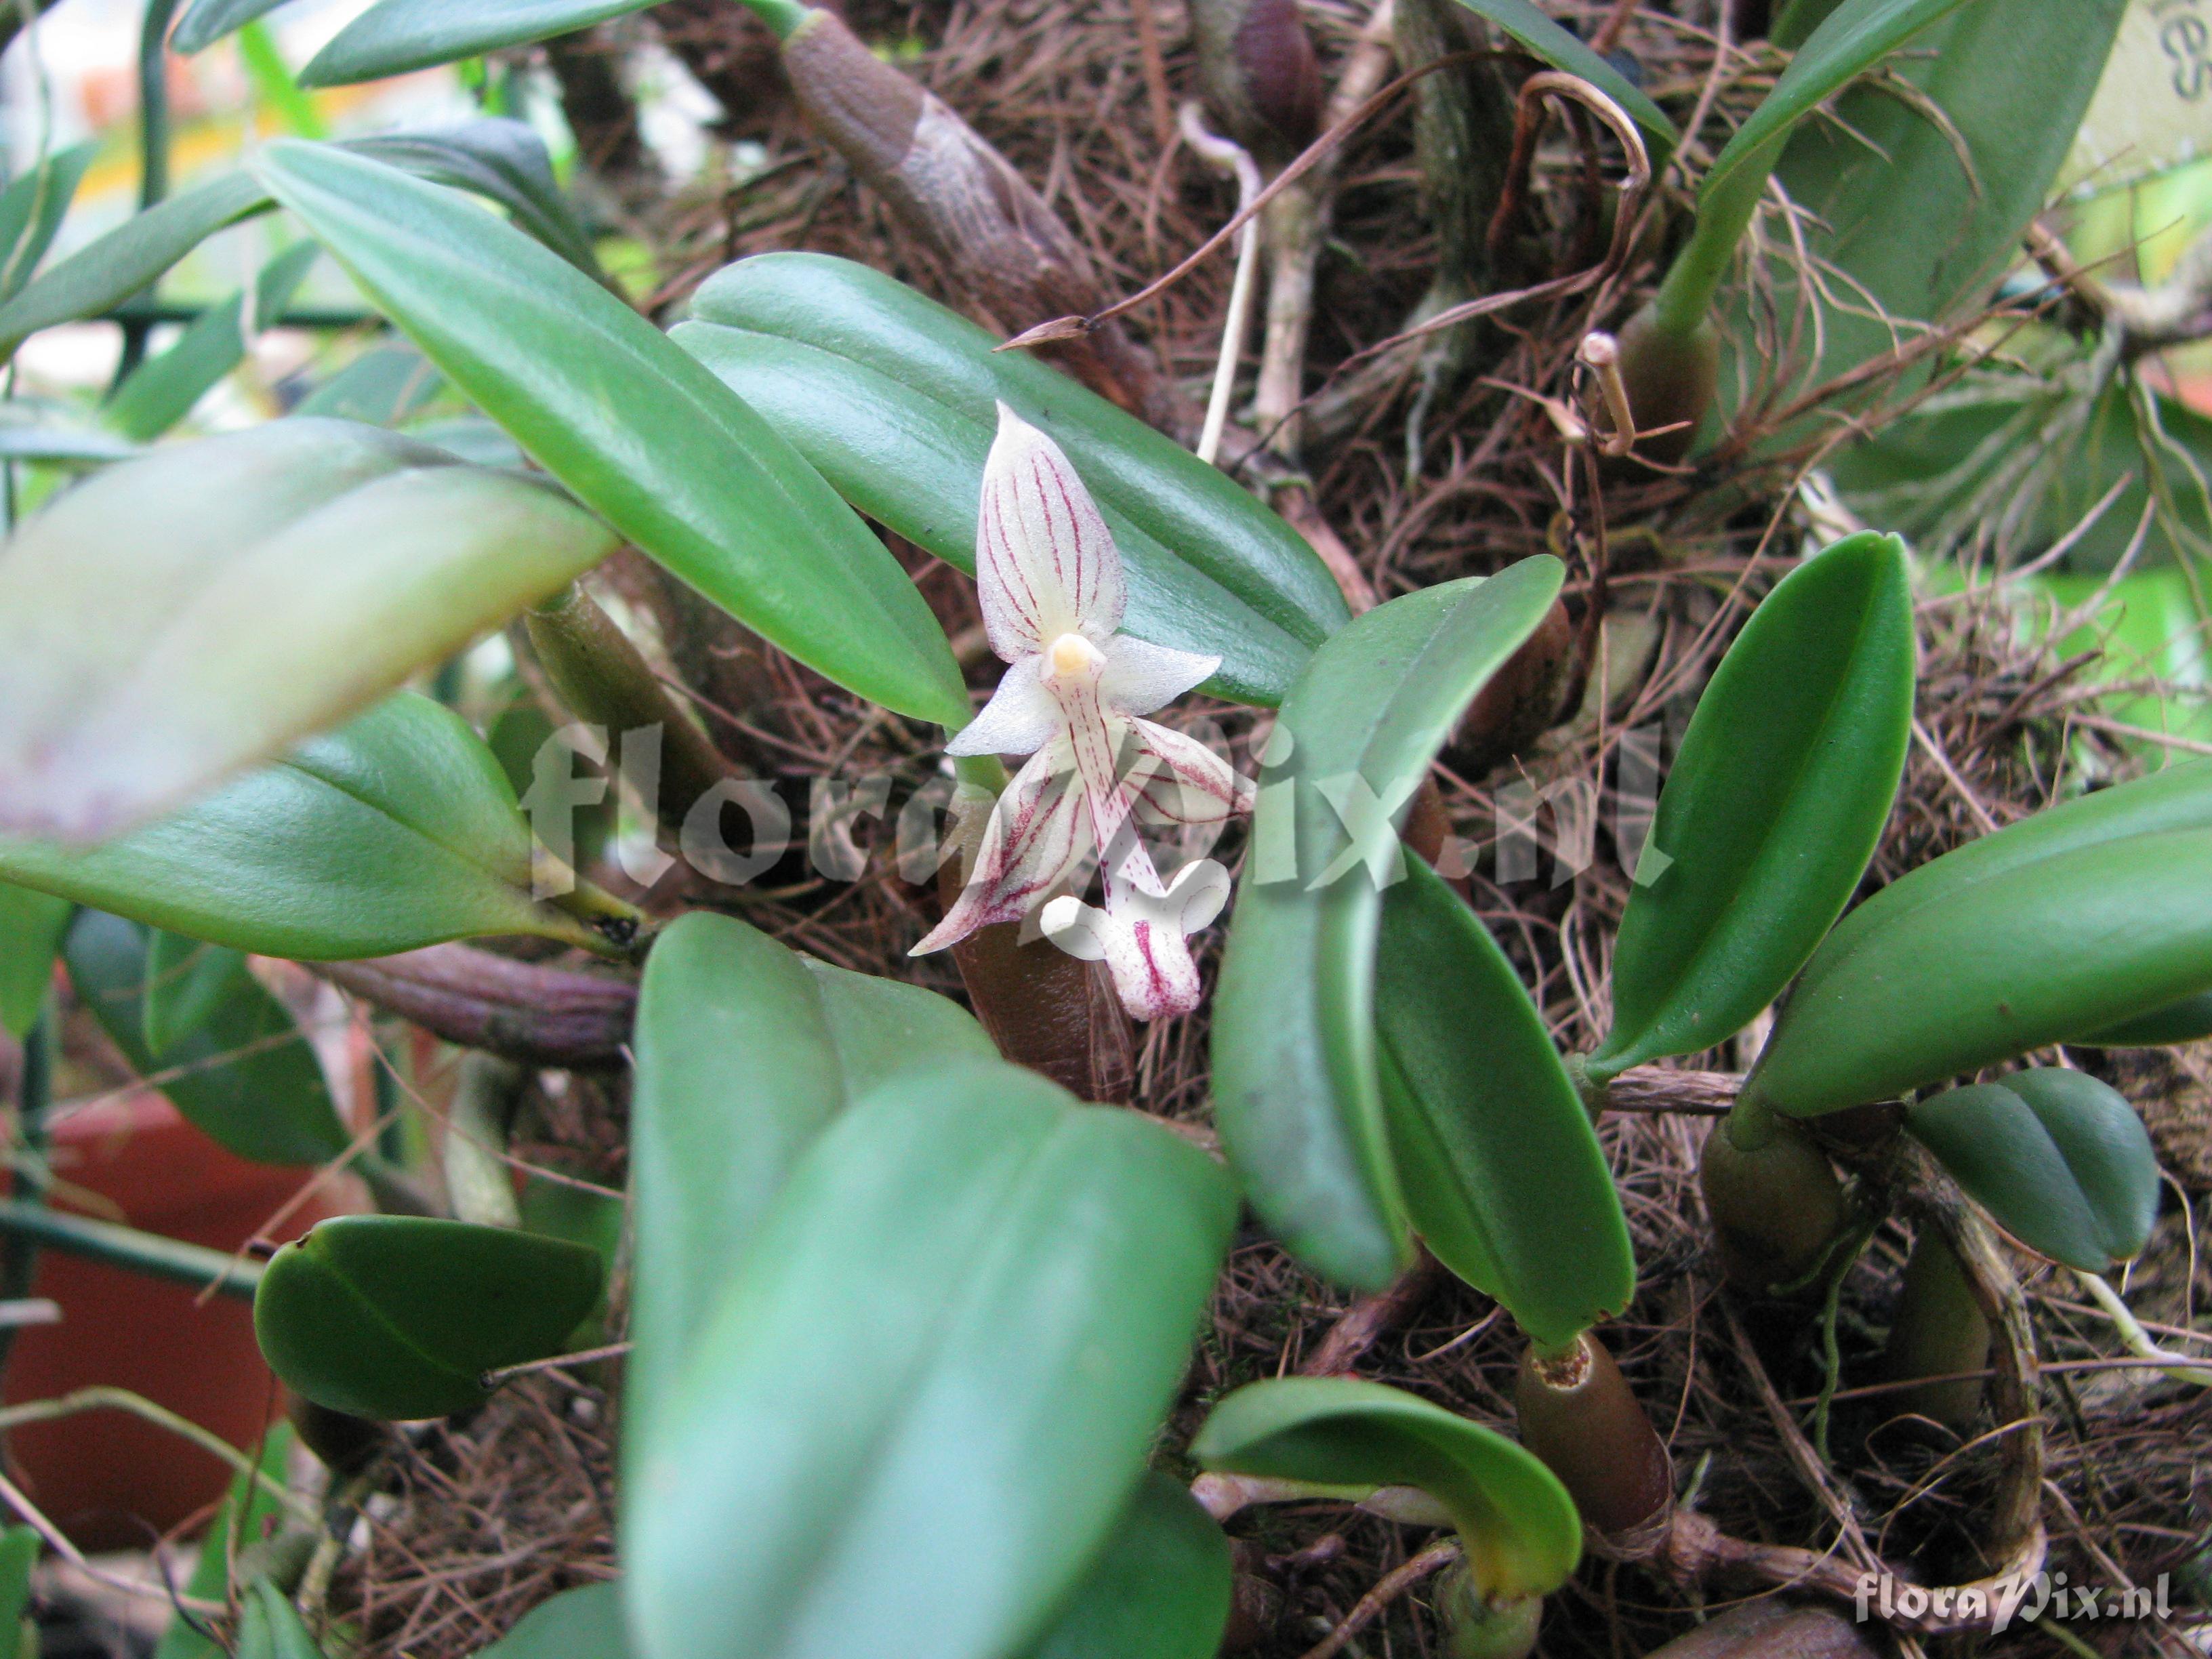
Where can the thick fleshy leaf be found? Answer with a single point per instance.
(209, 21)
(2074, 920)
(108, 270)
(637, 429)
(2188, 1020)
(577, 1624)
(1520, 1528)
(502, 160)
(395, 36)
(400, 1316)
(1562, 50)
(893, 397)
(187, 982)
(1158, 1590)
(163, 390)
(31, 928)
(1503, 1176)
(2058, 1159)
(1776, 801)
(308, 568)
(383, 387)
(1953, 471)
(1294, 1065)
(247, 1078)
(926, 1390)
(271, 1626)
(50, 429)
(1901, 221)
(1850, 40)
(31, 211)
(395, 831)
(746, 1051)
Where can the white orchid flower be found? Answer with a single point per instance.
(1073, 699)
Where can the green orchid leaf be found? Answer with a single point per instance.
(50, 429)
(2074, 920)
(1553, 45)
(1158, 1590)
(31, 928)
(1294, 1058)
(1522, 1533)
(745, 1052)
(503, 161)
(209, 21)
(1775, 804)
(400, 1316)
(394, 36)
(2188, 1020)
(2178, 797)
(186, 984)
(637, 429)
(577, 1624)
(271, 1626)
(396, 831)
(2060, 1160)
(1910, 219)
(1501, 1172)
(164, 389)
(109, 270)
(246, 1077)
(1959, 467)
(309, 568)
(1851, 39)
(246, 1508)
(383, 387)
(31, 212)
(925, 1393)
(893, 397)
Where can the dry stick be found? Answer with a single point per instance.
(1387, 1589)
(1234, 158)
(34, 1518)
(1297, 228)
(1367, 1321)
(102, 1397)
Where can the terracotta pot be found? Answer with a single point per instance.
(105, 1476)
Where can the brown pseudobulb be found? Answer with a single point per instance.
(1671, 383)
(1579, 1416)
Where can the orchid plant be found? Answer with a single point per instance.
(1073, 699)
(905, 1324)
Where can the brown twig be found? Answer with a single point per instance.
(1387, 1589)
(1367, 1321)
